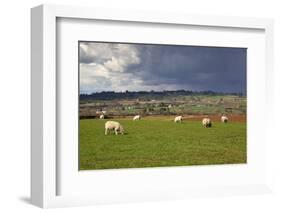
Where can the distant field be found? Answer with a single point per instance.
(166, 105)
(160, 142)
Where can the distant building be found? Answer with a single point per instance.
(101, 112)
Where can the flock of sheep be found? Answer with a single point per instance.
(118, 128)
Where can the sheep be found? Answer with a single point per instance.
(113, 125)
(224, 119)
(178, 119)
(207, 122)
(101, 116)
(137, 117)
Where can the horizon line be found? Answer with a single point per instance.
(193, 91)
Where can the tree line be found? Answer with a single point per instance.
(148, 95)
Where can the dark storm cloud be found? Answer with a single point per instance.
(196, 68)
(160, 67)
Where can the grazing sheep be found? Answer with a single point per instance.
(101, 116)
(137, 117)
(207, 122)
(178, 119)
(224, 119)
(113, 125)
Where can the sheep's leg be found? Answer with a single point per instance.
(105, 131)
(116, 132)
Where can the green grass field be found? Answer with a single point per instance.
(157, 143)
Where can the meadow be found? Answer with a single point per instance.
(159, 142)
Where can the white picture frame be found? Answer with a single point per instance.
(44, 84)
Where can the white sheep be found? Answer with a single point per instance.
(137, 117)
(224, 119)
(178, 119)
(207, 122)
(113, 125)
(101, 116)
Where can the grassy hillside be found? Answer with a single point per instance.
(160, 142)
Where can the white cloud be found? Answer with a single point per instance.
(115, 65)
(107, 62)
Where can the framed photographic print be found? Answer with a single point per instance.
(159, 97)
(130, 106)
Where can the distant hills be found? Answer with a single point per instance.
(146, 95)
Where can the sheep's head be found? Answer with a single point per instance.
(121, 130)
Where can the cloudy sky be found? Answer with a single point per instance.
(143, 67)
